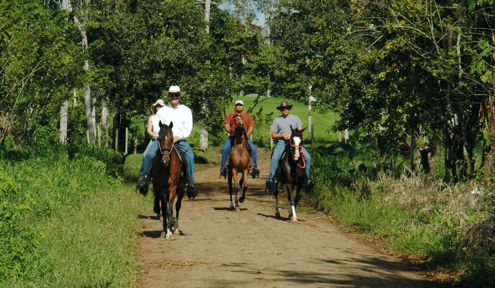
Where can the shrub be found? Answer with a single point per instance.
(16, 242)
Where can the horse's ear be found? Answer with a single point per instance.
(171, 124)
(160, 124)
(302, 130)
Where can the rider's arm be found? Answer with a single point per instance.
(279, 136)
(149, 128)
(226, 127)
(250, 127)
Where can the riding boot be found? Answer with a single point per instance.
(271, 184)
(142, 185)
(308, 185)
(191, 191)
(255, 172)
(223, 173)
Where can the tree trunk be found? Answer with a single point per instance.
(203, 133)
(64, 111)
(87, 89)
(490, 117)
(116, 127)
(104, 123)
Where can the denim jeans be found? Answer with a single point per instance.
(226, 150)
(188, 158)
(148, 155)
(277, 154)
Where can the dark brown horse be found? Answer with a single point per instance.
(239, 161)
(167, 180)
(292, 174)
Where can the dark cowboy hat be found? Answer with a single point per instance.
(284, 104)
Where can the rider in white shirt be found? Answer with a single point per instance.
(181, 117)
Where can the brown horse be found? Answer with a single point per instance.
(292, 173)
(239, 161)
(167, 180)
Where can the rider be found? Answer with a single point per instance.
(228, 126)
(281, 132)
(181, 117)
(152, 128)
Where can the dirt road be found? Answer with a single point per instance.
(252, 248)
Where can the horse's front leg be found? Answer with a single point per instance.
(231, 187)
(234, 182)
(178, 204)
(163, 200)
(170, 210)
(292, 206)
(243, 185)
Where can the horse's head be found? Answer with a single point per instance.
(238, 127)
(166, 141)
(296, 142)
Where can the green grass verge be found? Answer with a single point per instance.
(79, 224)
(418, 215)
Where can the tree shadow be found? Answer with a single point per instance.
(227, 209)
(152, 234)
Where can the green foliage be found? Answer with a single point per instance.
(58, 223)
(38, 64)
(17, 243)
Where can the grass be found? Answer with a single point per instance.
(83, 221)
(418, 215)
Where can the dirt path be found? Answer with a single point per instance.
(251, 248)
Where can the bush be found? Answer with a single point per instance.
(16, 242)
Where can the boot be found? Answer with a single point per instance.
(255, 173)
(191, 191)
(142, 185)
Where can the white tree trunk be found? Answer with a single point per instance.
(203, 133)
(87, 89)
(207, 15)
(64, 111)
(104, 122)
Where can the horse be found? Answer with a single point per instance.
(292, 173)
(167, 180)
(239, 161)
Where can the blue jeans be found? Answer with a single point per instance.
(148, 155)
(227, 146)
(277, 154)
(188, 158)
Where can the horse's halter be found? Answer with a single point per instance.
(165, 138)
(295, 144)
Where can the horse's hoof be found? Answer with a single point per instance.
(277, 215)
(169, 235)
(241, 199)
(231, 207)
(157, 217)
(237, 209)
(293, 219)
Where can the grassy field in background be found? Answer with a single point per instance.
(322, 121)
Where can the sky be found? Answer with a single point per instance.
(260, 16)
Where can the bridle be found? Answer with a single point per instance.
(164, 152)
(294, 147)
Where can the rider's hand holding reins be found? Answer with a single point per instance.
(176, 139)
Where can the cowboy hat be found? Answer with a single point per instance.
(158, 102)
(284, 104)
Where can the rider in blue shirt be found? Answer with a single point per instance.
(281, 132)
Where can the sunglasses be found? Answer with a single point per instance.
(174, 96)
(238, 105)
(284, 107)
